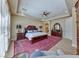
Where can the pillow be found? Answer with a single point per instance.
(26, 26)
(57, 52)
(37, 54)
(35, 30)
(60, 52)
(47, 53)
(29, 31)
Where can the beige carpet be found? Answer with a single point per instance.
(10, 51)
(66, 46)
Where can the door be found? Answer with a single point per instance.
(46, 27)
(77, 8)
(78, 34)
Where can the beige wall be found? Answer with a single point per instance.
(75, 25)
(61, 21)
(69, 28)
(23, 21)
(68, 25)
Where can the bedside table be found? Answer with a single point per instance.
(20, 36)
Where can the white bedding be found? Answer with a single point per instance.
(34, 34)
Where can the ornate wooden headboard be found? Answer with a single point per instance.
(30, 27)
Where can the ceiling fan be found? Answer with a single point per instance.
(45, 13)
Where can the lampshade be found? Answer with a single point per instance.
(40, 26)
(18, 27)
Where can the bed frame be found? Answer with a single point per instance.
(38, 38)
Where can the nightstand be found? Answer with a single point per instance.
(20, 36)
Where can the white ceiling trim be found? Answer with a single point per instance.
(34, 8)
(35, 14)
(28, 16)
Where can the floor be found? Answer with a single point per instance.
(24, 45)
(10, 51)
(64, 44)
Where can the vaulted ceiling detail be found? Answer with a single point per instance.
(42, 9)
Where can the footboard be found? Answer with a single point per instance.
(39, 38)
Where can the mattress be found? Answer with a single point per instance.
(34, 34)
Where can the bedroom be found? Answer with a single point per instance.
(54, 23)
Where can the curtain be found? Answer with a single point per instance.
(5, 27)
(2, 41)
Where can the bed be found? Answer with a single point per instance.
(33, 35)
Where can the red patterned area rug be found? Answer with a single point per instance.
(25, 46)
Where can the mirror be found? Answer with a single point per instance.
(57, 27)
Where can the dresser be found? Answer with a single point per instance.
(54, 33)
(57, 30)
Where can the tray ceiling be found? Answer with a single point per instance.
(35, 8)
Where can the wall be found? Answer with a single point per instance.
(75, 25)
(13, 4)
(61, 21)
(68, 26)
(24, 22)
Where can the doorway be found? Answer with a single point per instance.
(77, 14)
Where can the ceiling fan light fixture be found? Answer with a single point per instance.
(45, 13)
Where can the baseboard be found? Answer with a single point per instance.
(73, 45)
(67, 38)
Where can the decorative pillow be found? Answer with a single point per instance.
(60, 52)
(28, 26)
(35, 30)
(29, 31)
(37, 54)
(47, 53)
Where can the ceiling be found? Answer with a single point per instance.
(35, 8)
